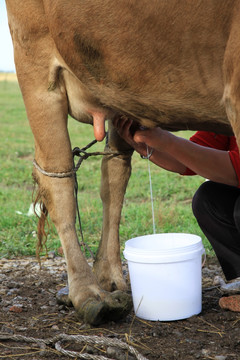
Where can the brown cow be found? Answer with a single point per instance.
(170, 63)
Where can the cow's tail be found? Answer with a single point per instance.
(41, 212)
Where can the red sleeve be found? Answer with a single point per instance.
(208, 139)
(234, 156)
(220, 142)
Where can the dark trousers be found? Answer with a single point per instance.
(217, 210)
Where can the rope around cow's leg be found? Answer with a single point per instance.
(83, 155)
(77, 339)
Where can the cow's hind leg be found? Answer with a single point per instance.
(47, 112)
(92, 303)
(116, 171)
(46, 101)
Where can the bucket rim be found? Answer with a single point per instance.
(176, 253)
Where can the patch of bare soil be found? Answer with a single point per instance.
(29, 311)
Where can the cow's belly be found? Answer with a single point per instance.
(156, 82)
(179, 114)
(196, 107)
(82, 106)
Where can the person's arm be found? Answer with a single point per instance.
(176, 154)
(210, 163)
(160, 158)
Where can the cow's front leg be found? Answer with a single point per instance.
(116, 171)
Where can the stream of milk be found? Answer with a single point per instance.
(151, 192)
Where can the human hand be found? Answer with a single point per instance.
(126, 129)
(152, 137)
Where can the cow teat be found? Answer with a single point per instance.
(99, 118)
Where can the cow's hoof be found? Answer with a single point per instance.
(114, 307)
(119, 305)
(63, 297)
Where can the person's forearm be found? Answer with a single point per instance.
(160, 158)
(210, 163)
(167, 162)
(176, 154)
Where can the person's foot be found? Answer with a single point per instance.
(232, 287)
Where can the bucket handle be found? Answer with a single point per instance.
(204, 257)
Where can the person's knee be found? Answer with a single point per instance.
(201, 198)
(236, 213)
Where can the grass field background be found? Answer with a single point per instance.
(172, 193)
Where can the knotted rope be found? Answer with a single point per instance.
(92, 340)
(83, 155)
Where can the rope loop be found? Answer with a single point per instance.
(83, 155)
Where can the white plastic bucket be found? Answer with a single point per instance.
(166, 275)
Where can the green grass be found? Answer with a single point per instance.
(172, 193)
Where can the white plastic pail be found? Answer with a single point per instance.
(165, 274)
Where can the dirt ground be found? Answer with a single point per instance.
(28, 309)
